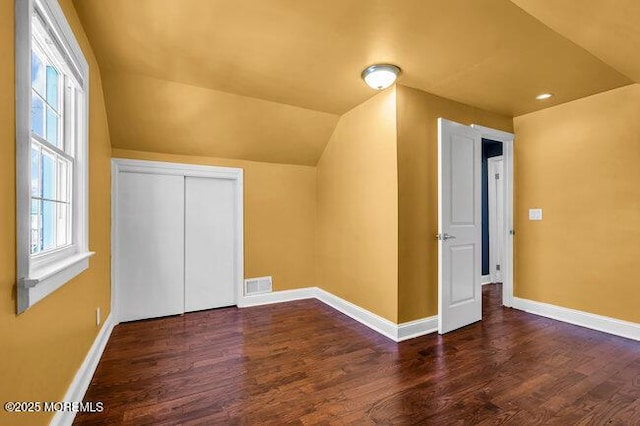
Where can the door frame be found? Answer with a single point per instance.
(507, 140)
(122, 165)
(493, 217)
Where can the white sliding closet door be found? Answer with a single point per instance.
(209, 243)
(150, 245)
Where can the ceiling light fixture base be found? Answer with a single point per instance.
(380, 76)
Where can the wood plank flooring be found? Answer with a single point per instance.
(304, 363)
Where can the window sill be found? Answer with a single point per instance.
(49, 278)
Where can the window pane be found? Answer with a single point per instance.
(63, 180)
(48, 175)
(37, 115)
(37, 73)
(52, 87)
(52, 127)
(62, 225)
(35, 170)
(35, 226)
(48, 224)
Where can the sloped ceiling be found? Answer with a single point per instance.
(608, 29)
(150, 114)
(309, 54)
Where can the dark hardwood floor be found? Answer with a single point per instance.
(304, 363)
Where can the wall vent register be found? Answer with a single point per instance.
(258, 285)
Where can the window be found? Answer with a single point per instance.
(51, 159)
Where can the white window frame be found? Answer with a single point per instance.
(39, 276)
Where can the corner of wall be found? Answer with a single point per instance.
(578, 161)
(357, 207)
(417, 139)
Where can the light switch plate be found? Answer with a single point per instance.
(535, 214)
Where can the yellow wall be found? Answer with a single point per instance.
(41, 349)
(361, 223)
(418, 113)
(358, 208)
(580, 163)
(279, 212)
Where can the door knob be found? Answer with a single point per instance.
(445, 237)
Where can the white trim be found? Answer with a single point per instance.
(417, 328)
(48, 280)
(389, 329)
(485, 279)
(120, 165)
(508, 140)
(494, 134)
(496, 217)
(82, 379)
(395, 332)
(177, 169)
(23, 10)
(363, 316)
(64, 32)
(614, 326)
(277, 297)
(239, 223)
(114, 238)
(35, 277)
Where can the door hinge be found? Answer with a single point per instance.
(497, 175)
(512, 232)
(497, 267)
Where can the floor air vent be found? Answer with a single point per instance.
(257, 286)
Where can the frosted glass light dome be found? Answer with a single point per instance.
(381, 76)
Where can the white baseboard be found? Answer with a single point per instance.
(389, 329)
(420, 327)
(627, 329)
(371, 320)
(486, 279)
(82, 379)
(277, 297)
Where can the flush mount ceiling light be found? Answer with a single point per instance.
(380, 76)
(544, 96)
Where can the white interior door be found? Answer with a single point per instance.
(209, 243)
(459, 225)
(496, 217)
(150, 246)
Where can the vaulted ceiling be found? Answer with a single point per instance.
(267, 79)
(608, 29)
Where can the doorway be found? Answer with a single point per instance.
(492, 211)
(460, 248)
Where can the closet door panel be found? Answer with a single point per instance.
(209, 243)
(150, 245)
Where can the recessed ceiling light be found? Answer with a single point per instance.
(380, 76)
(544, 96)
